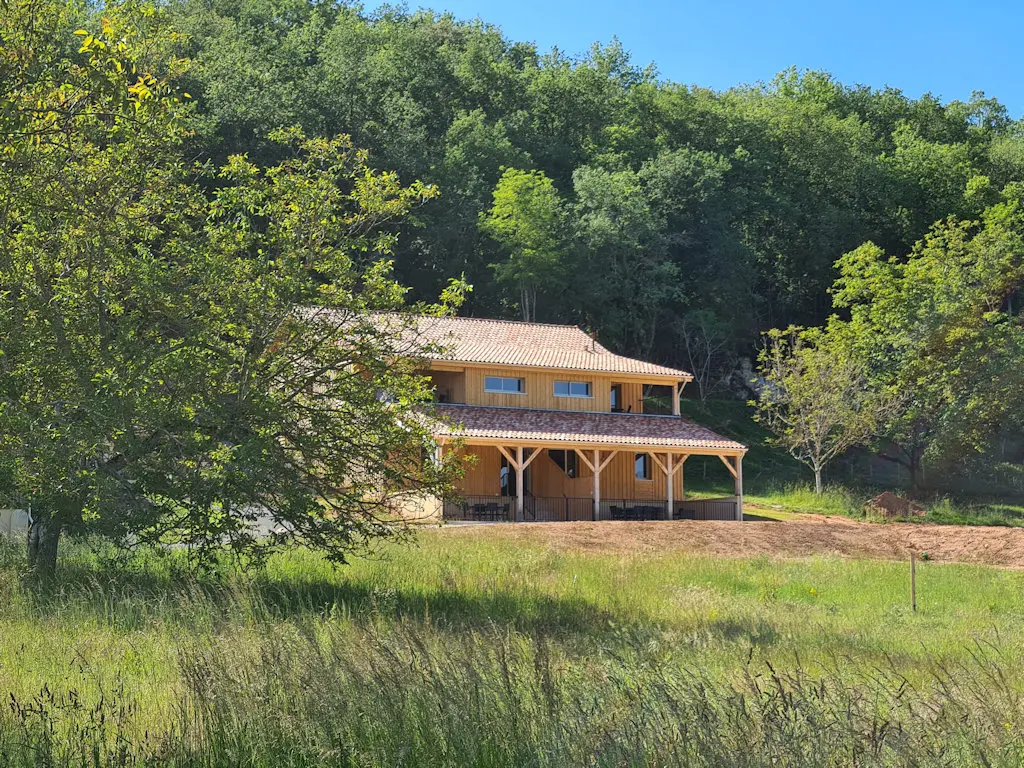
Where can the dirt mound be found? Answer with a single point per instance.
(889, 505)
(805, 536)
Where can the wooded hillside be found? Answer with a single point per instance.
(678, 214)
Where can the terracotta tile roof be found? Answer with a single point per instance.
(473, 421)
(506, 342)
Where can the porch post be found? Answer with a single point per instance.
(670, 470)
(597, 484)
(519, 484)
(675, 399)
(739, 487)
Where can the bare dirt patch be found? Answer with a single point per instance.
(803, 536)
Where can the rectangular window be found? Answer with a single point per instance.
(504, 385)
(566, 461)
(642, 463)
(616, 398)
(572, 389)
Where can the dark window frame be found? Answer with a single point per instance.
(501, 389)
(588, 389)
(567, 460)
(642, 466)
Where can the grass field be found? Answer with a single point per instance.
(466, 651)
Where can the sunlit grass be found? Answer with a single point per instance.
(469, 650)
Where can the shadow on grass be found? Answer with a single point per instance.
(132, 599)
(755, 518)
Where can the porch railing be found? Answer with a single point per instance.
(706, 509)
(488, 509)
(542, 509)
(557, 509)
(633, 509)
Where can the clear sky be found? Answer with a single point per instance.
(944, 47)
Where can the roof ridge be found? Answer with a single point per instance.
(511, 322)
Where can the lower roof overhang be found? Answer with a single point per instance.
(488, 425)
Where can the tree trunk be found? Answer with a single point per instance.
(43, 541)
(817, 481)
(915, 471)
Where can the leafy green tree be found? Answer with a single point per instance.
(942, 327)
(176, 364)
(630, 281)
(526, 218)
(815, 396)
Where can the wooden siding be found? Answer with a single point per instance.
(548, 480)
(632, 396)
(619, 481)
(466, 385)
(540, 390)
(450, 386)
(482, 477)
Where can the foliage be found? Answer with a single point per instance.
(748, 195)
(526, 219)
(709, 354)
(161, 377)
(468, 650)
(814, 395)
(941, 328)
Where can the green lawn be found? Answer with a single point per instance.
(470, 651)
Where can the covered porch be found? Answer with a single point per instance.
(541, 466)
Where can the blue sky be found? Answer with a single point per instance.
(947, 48)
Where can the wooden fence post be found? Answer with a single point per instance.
(913, 580)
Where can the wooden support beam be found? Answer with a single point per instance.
(669, 494)
(534, 455)
(507, 455)
(662, 467)
(739, 487)
(675, 398)
(584, 459)
(606, 462)
(728, 464)
(597, 484)
(519, 484)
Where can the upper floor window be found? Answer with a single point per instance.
(504, 385)
(642, 465)
(572, 389)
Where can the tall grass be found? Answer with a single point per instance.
(468, 651)
(300, 695)
(849, 502)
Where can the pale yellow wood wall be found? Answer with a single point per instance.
(618, 479)
(632, 397)
(451, 383)
(468, 386)
(540, 390)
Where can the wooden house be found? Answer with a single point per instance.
(564, 429)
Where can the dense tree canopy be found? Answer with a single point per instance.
(678, 199)
(675, 222)
(164, 375)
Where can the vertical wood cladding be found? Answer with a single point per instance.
(468, 386)
(618, 480)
